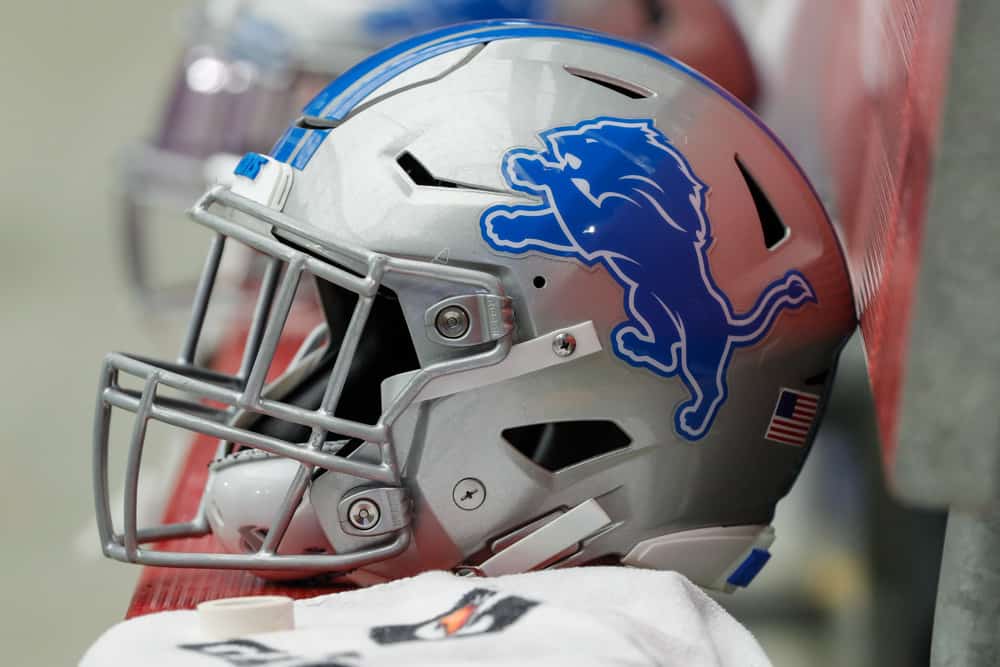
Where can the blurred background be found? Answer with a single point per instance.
(80, 80)
(853, 576)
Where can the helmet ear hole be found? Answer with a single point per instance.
(539, 282)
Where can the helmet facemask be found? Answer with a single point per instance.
(325, 397)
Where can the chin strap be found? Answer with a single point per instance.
(557, 539)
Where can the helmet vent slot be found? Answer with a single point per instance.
(558, 445)
(628, 89)
(421, 175)
(317, 123)
(775, 231)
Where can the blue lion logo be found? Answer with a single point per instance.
(617, 193)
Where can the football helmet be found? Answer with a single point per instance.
(580, 305)
(249, 66)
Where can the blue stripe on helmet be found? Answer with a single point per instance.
(339, 98)
(371, 64)
(309, 146)
(287, 144)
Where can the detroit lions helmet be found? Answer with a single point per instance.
(580, 305)
(248, 67)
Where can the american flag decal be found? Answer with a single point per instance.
(793, 417)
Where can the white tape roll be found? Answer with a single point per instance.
(236, 617)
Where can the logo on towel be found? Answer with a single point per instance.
(247, 653)
(478, 612)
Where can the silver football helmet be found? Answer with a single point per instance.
(248, 68)
(580, 305)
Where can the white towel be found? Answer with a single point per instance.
(581, 616)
